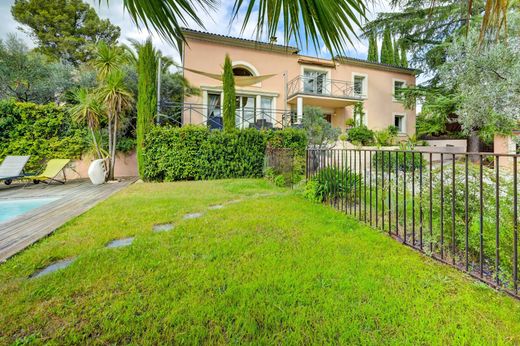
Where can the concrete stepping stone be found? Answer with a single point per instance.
(192, 216)
(215, 207)
(164, 227)
(120, 243)
(53, 267)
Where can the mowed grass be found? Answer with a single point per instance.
(269, 268)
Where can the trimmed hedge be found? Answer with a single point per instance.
(42, 131)
(196, 153)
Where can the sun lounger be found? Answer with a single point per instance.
(53, 168)
(12, 168)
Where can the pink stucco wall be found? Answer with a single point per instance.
(208, 55)
(126, 166)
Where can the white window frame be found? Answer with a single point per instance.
(365, 83)
(402, 115)
(393, 88)
(316, 69)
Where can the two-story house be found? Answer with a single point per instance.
(283, 82)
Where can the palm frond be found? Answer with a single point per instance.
(114, 94)
(495, 18)
(87, 108)
(108, 58)
(333, 21)
(167, 16)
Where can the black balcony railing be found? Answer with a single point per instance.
(179, 114)
(321, 86)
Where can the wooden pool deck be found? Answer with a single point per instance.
(75, 197)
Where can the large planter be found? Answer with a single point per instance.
(96, 172)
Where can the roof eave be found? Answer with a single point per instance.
(239, 42)
(377, 65)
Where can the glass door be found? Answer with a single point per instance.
(314, 81)
(245, 111)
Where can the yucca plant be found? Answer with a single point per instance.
(117, 99)
(88, 110)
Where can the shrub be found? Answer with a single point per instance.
(332, 183)
(386, 137)
(193, 152)
(279, 180)
(42, 131)
(269, 173)
(288, 138)
(387, 160)
(360, 135)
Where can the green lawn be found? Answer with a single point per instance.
(269, 268)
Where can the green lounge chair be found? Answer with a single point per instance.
(12, 168)
(53, 168)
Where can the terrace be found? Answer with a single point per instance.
(318, 90)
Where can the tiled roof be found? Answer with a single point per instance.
(363, 61)
(266, 44)
(295, 50)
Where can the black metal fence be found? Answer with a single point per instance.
(459, 208)
(179, 114)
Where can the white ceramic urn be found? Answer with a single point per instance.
(96, 172)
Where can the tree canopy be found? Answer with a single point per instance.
(373, 54)
(30, 76)
(228, 87)
(67, 30)
(387, 49)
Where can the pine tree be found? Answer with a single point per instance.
(372, 48)
(228, 86)
(146, 96)
(387, 51)
(404, 58)
(397, 58)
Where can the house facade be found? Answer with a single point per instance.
(283, 82)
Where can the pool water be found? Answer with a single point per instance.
(9, 209)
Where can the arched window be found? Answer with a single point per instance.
(242, 71)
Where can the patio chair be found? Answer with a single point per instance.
(12, 168)
(53, 168)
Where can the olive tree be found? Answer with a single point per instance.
(486, 82)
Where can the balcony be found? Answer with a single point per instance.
(179, 114)
(321, 91)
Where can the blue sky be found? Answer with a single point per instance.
(215, 21)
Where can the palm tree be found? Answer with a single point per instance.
(133, 54)
(108, 58)
(332, 21)
(88, 110)
(117, 99)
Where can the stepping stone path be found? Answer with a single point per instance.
(214, 207)
(53, 267)
(192, 216)
(165, 227)
(120, 243)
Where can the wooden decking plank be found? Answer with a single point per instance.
(76, 198)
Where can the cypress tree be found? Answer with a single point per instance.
(387, 51)
(372, 48)
(146, 97)
(397, 58)
(404, 58)
(228, 86)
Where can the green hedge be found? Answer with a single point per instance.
(42, 131)
(195, 153)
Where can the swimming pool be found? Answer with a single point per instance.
(9, 209)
